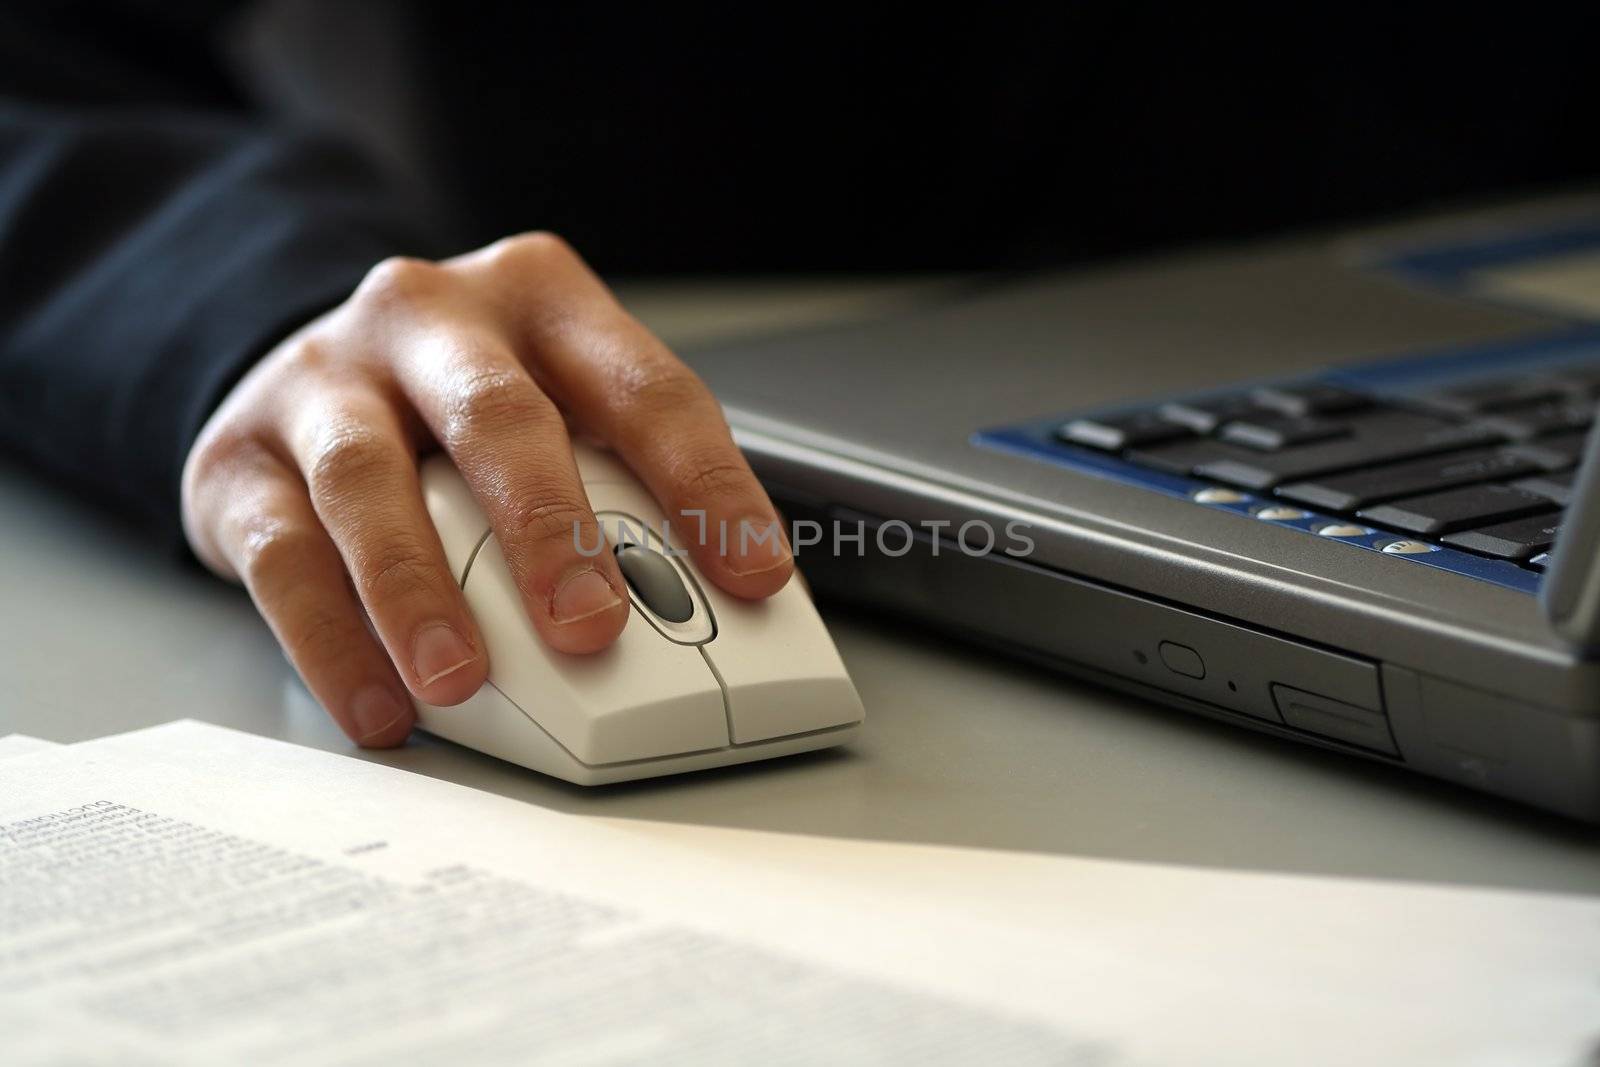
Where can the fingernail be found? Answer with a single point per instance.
(438, 650)
(374, 710)
(581, 595)
(756, 545)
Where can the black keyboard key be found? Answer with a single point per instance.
(1310, 398)
(1207, 413)
(1272, 432)
(1457, 509)
(1113, 433)
(1556, 488)
(1553, 453)
(1517, 540)
(1359, 489)
(1376, 437)
(1185, 457)
(1480, 397)
(1542, 420)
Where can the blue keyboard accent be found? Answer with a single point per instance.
(1392, 378)
(1451, 265)
(1412, 375)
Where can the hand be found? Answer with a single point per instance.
(303, 485)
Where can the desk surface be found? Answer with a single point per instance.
(99, 634)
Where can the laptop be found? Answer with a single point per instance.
(1332, 488)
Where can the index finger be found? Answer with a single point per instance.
(510, 443)
(623, 385)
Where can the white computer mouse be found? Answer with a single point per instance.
(698, 678)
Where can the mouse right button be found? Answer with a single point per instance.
(778, 666)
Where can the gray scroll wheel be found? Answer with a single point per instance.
(656, 582)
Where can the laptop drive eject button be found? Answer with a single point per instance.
(1181, 659)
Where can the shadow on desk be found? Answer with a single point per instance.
(964, 748)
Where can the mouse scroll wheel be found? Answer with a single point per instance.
(655, 582)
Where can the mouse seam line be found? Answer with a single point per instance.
(537, 725)
(473, 557)
(727, 709)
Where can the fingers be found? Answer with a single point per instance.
(324, 521)
(361, 476)
(666, 425)
(510, 443)
(621, 384)
(269, 537)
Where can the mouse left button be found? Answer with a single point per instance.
(641, 699)
(454, 511)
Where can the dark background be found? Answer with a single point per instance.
(1009, 136)
(756, 138)
(185, 182)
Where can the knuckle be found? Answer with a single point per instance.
(219, 451)
(397, 570)
(309, 355)
(272, 550)
(212, 474)
(402, 281)
(529, 250)
(657, 384)
(226, 500)
(545, 520)
(715, 478)
(315, 636)
(347, 457)
(495, 399)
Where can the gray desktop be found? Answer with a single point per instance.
(964, 747)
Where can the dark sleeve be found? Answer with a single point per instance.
(148, 254)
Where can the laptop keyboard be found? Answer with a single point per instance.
(1483, 468)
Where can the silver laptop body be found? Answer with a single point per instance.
(953, 465)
